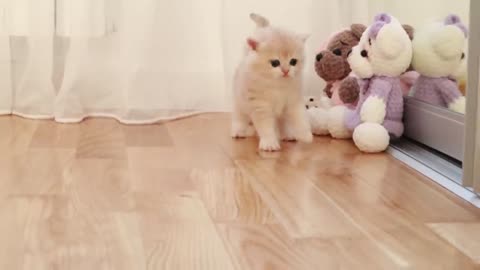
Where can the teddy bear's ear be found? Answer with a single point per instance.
(455, 20)
(449, 42)
(357, 29)
(390, 40)
(409, 29)
(259, 20)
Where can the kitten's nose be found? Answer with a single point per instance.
(319, 57)
(285, 72)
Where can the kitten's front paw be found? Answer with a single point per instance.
(288, 135)
(307, 137)
(238, 132)
(269, 144)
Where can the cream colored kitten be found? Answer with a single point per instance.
(267, 88)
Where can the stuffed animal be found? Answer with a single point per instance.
(383, 54)
(439, 56)
(331, 62)
(332, 66)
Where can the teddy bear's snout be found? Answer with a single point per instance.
(330, 66)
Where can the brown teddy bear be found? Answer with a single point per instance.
(331, 62)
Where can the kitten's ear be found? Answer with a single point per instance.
(252, 43)
(259, 20)
(303, 37)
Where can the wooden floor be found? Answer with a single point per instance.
(184, 195)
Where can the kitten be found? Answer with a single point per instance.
(267, 88)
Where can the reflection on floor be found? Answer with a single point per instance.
(183, 195)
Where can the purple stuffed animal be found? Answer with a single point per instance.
(382, 55)
(439, 57)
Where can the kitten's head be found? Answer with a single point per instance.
(275, 52)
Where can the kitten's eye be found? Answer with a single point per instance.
(463, 56)
(370, 42)
(337, 52)
(364, 53)
(293, 62)
(275, 63)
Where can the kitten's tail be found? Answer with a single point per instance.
(259, 20)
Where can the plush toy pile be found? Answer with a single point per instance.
(372, 95)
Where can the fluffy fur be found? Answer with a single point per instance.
(439, 55)
(267, 87)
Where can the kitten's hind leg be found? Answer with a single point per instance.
(295, 125)
(241, 125)
(264, 122)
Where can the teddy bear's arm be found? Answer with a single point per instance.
(451, 95)
(349, 90)
(374, 108)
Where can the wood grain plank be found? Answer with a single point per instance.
(229, 197)
(16, 135)
(57, 233)
(39, 171)
(257, 247)
(295, 201)
(103, 184)
(101, 138)
(463, 236)
(178, 234)
(392, 227)
(184, 195)
(51, 134)
(154, 135)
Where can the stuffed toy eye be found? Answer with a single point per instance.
(337, 52)
(364, 53)
(293, 62)
(275, 63)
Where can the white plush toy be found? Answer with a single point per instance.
(317, 108)
(383, 53)
(439, 57)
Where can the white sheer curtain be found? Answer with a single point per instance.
(144, 60)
